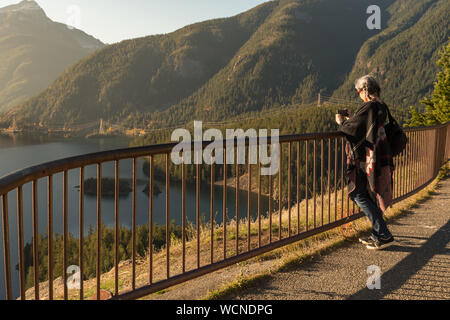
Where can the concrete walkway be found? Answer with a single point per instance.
(417, 267)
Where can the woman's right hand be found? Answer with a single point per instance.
(339, 119)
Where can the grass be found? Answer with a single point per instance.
(161, 292)
(108, 286)
(240, 284)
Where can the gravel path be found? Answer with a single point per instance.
(416, 267)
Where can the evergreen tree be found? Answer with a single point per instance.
(437, 109)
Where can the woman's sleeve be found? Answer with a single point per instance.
(355, 126)
(362, 124)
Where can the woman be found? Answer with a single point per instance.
(369, 161)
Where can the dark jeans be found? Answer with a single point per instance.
(370, 208)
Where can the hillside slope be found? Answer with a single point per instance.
(142, 75)
(305, 47)
(34, 51)
(403, 56)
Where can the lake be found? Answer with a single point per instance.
(19, 152)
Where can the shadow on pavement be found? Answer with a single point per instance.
(411, 265)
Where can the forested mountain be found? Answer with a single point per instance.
(144, 74)
(34, 51)
(303, 48)
(403, 56)
(280, 53)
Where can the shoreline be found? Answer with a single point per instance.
(243, 184)
(65, 134)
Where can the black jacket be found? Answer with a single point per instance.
(368, 152)
(359, 128)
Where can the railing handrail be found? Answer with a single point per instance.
(22, 176)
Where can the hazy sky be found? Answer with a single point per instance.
(116, 20)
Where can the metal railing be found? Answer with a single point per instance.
(311, 201)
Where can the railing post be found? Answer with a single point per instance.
(81, 232)
(99, 230)
(167, 216)
(6, 243)
(446, 133)
(50, 235)
(116, 226)
(35, 223)
(133, 228)
(150, 223)
(435, 146)
(20, 243)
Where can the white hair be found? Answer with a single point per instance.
(369, 85)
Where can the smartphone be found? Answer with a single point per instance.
(344, 113)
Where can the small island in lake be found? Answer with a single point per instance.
(156, 189)
(108, 187)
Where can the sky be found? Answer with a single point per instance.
(115, 20)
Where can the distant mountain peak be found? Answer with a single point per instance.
(27, 6)
(34, 51)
